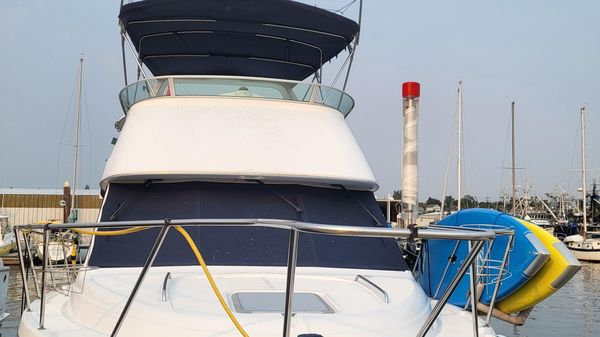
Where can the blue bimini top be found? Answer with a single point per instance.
(261, 38)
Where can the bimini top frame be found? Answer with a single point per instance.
(476, 239)
(263, 38)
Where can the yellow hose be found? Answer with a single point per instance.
(192, 245)
(109, 233)
(199, 257)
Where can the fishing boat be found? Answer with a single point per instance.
(585, 247)
(231, 214)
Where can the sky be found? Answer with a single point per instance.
(543, 54)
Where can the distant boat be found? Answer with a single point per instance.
(585, 247)
(3, 290)
(7, 242)
(61, 244)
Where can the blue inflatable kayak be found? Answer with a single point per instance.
(526, 257)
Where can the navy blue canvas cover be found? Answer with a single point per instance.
(263, 38)
(255, 246)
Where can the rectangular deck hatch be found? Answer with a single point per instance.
(269, 302)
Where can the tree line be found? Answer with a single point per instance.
(451, 204)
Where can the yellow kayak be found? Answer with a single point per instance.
(554, 274)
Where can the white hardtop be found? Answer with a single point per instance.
(230, 136)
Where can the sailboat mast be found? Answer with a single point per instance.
(77, 133)
(459, 159)
(514, 175)
(583, 173)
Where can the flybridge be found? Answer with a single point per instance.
(261, 38)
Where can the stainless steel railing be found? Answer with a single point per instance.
(475, 237)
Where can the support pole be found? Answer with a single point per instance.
(77, 135)
(583, 175)
(514, 175)
(410, 183)
(473, 286)
(435, 312)
(44, 267)
(459, 160)
(23, 275)
(67, 201)
(151, 256)
(291, 275)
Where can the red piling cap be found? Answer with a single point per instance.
(411, 89)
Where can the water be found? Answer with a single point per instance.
(573, 311)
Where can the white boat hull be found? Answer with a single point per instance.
(3, 290)
(56, 251)
(584, 250)
(191, 309)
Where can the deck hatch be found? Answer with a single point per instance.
(270, 302)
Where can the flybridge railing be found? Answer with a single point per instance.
(236, 87)
(475, 237)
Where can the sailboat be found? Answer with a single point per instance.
(583, 245)
(459, 113)
(518, 270)
(62, 243)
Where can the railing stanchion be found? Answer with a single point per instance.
(23, 275)
(44, 266)
(435, 312)
(291, 274)
(473, 285)
(31, 264)
(437, 290)
(499, 280)
(151, 256)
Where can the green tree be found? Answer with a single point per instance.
(468, 201)
(449, 203)
(397, 195)
(432, 201)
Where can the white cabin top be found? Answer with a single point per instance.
(237, 128)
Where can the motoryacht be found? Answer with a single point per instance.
(236, 200)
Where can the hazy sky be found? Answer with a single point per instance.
(544, 54)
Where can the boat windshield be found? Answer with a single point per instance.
(242, 245)
(241, 87)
